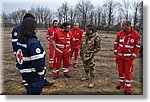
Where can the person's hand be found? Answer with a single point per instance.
(76, 40)
(133, 57)
(50, 42)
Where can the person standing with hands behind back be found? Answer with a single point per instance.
(50, 36)
(30, 57)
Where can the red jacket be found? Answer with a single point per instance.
(62, 41)
(51, 32)
(127, 44)
(77, 34)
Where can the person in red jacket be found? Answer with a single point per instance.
(75, 46)
(49, 36)
(126, 49)
(61, 43)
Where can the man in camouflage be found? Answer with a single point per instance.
(89, 47)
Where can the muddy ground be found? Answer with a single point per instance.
(106, 72)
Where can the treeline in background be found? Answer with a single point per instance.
(106, 16)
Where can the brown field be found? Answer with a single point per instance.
(106, 72)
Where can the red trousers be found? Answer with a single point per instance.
(76, 52)
(59, 58)
(51, 56)
(125, 68)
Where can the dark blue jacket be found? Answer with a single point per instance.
(15, 33)
(30, 56)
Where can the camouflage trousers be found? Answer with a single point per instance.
(89, 67)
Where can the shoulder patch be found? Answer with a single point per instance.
(15, 33)
(38, 50)
(132, 40)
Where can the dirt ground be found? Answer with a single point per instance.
(106, 72)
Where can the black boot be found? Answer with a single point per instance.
(67, 76)
(46, 83)
(55, 77)
(119, 87)
(128, 93)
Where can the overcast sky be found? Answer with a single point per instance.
(12, 5)
(9, 6)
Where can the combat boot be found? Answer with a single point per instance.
(92, 83)
(87, 77)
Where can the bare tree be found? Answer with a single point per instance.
(63, 11)
(59, 15)
(20, 15)
(43, 16)
(141, 16)
(126, 6)
(4, 19)
(135, 7)
(95, 19)
(99, 16)
(109, 9)
(72, 15)
(91, 18)
(105, 16)
(84, 7)
(17, 16)
(120, 12)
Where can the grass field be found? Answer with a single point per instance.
(106, 72)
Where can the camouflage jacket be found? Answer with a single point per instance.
(89, 46)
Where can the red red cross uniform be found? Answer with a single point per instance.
(62, 53)
(75, 46)
(49, 36)
(126, 49)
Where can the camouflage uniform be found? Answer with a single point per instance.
(89, 46)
